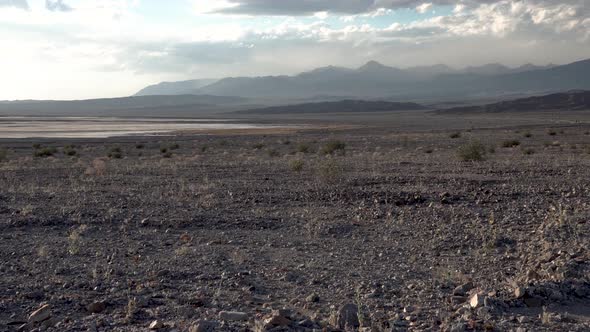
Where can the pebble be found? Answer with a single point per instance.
(476, 301)
(156, 325)
(96, 307)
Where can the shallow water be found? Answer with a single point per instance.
(94, 127)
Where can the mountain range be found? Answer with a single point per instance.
(375, 80)
(571, 100)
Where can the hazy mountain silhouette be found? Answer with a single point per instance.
(175, 88)
(343, 106)
(375, 80)
(572, 100)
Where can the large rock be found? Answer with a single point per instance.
(463, 289)
(346, 317)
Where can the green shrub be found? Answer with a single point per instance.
(472, 151)
(455, 135)
(528, 151)
(510, 143)
(45, 152)
(3, 155)
(115, 153)
(333, 146)
(303, 148)
(36, 146)
(296, 165)
(69, 151)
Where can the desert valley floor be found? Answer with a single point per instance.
(415, 222)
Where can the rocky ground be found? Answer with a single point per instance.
(365, 229)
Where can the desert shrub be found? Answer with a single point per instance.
(330, 171)
(69, 151)
(167, 155)
(333, 146)
(528, 151)
(3, 155)
(36, 146)
(552, 133)
(428, 151)
(510, 143)
(455, 135)
(163, 149)
(45, 152)
(273, 153)
(528, 135)
(115, 153)
(303, 148)
(472, 151)
(204, 148)
(296, 165)
(139, 146)
(174, 146)
(258, 146)
(286, 142)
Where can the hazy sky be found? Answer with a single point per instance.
(69, 49)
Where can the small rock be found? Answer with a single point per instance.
(96, 307)
(458, 299)
(233, 315)
(156, 325)
(347, 317)
(476, 301)
(463, 289)
(40, 314)
(276, 321)
(519, 292)
(313, 298)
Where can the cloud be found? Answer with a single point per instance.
(57, 5)
(423, 8)
(22, 4)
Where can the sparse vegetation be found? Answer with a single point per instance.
(333, 147)
(552, 133)
(510, 143)
(115, 153)
(528, 151)
(472, 151)
(3, 155)
(330, 171)
(273, 153)
(455, 135)
(296, 165)
(258, 146)
(44, 152)
(139, 146)
(70, 150)
(528, 135)
(303, 148)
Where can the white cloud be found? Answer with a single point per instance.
(423, 8)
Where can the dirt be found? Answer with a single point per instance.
(233, 232)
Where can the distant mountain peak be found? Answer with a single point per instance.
(372, 65)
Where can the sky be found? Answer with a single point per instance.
(77, 49)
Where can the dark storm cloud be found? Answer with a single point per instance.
(57, 6)
(307, 7)
(22, 4)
